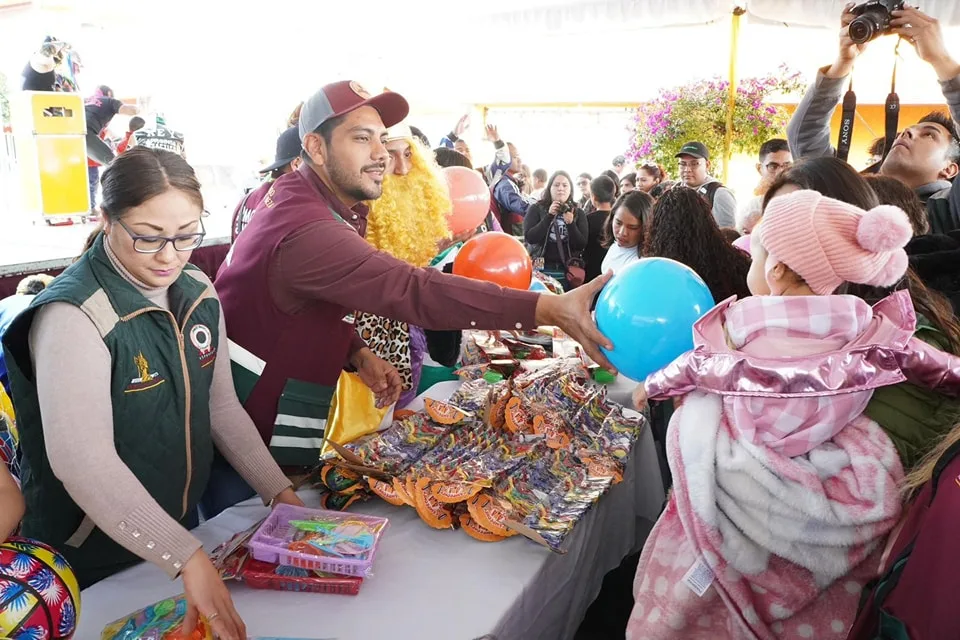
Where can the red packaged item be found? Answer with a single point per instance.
(264, 575)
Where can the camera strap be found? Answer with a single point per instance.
(891, 114)
(892, 106)
(847, 119)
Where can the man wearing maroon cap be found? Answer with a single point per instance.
(295, 277)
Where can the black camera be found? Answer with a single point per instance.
(565, 207)
(873, 19)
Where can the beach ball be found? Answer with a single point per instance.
(39, 593)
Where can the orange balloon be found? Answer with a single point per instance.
(470, 196)
(495, 257)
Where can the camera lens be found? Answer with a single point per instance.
(863, 29)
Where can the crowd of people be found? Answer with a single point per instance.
(814, 419)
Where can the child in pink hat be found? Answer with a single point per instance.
(783, 490)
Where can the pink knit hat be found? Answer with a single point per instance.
(828, 242)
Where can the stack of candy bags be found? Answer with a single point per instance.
(528, 454)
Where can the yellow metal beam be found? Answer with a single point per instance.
(732, 92)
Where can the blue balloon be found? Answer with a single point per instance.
(648, 311)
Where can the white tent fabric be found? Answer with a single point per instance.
(823, 13)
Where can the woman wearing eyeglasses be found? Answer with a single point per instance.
(121, 378)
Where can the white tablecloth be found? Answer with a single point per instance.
(429, 584)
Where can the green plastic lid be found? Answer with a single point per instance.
(493, 376)
(603, 376)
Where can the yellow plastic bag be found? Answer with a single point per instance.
(353, 412)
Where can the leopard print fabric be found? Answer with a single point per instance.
(390, 341)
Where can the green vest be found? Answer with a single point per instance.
(914, 417)
(162, 368)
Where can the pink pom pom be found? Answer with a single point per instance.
(884, 228)
(892, 271)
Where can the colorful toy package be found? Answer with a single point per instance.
(163, 620)
(319, 540)
(160, 621)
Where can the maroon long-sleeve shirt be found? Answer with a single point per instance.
(297, 274)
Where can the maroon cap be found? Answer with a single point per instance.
(343, 97)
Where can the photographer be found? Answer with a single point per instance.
(925, 156)
(40, 73)
(556, 228)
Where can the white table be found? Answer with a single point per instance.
(429, 584)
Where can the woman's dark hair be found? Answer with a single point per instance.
(631, 178)
(450, 158)
(683, 229)
(547, 199)
(838, 180)
(640, 206)
(140, 174)
(655, 171)
(610, 173)
(892, 191)
(731, 234)
(832, 177)
(657, 192)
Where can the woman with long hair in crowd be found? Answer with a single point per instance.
(683, 229)
(625, 230)
(556, 227)
(914, 417)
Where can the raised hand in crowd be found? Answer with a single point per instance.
(926, 36)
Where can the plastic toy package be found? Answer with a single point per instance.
(263, 575)
(319, 540)
(163, 620)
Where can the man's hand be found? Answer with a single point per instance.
(491, 134)
(379, 375)
(849, 50)
(571, 312)
(462, 125)
(924, 33)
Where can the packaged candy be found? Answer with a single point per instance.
(341, 501)
(489, 513)
(386, 491)
(340, 480)
(228, 556)
(435, 513)
(491, 346)
(477, 532)
(471, 396)
(517, 420)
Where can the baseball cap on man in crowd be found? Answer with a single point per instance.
(339, 98)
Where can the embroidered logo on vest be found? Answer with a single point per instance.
(202, 339)
(146, 379)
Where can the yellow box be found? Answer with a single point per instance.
(49, 131)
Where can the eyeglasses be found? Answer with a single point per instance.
(690, 165)
(773, 167)
(156, 244)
